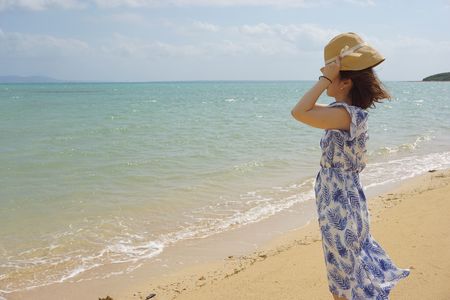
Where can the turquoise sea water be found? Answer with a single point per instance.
(94, 174)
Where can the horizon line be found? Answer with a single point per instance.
(182, 81)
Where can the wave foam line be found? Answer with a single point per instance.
(376, 174)
(258, 206)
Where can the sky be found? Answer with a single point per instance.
(183, 40)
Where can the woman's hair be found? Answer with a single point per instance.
(367, 88)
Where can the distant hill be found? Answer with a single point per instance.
(27, 79)
(438, 77)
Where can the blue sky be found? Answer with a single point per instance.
(156, 40)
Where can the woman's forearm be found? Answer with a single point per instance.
(309, 99)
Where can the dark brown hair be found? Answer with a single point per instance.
(367, 88)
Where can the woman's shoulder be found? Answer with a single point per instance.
(361, 112)
(359, 118)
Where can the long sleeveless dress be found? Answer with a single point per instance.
(357, 266)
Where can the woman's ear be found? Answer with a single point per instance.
(348, 83)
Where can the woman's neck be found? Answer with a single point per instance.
(348, 101)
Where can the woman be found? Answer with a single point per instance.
(357, 266)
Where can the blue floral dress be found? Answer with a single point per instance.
(357, 266)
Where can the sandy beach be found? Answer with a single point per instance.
(411, 222)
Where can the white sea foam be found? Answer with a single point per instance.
(76, 271)
(406, 147)
(396, 170)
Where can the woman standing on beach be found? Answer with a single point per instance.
(357, 266)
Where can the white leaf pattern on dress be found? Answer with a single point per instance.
(357, 266)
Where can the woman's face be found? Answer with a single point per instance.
(333, 88)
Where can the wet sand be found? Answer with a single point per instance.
(411, 223)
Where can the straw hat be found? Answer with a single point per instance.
(355, 53)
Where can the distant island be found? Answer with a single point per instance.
(27, 79)
(438, 77)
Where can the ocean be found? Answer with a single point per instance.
(94, 174)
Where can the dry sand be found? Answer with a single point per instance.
(412, 223)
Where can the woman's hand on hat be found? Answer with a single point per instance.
(331, 70)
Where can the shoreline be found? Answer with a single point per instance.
(274, 270)
(228, 260)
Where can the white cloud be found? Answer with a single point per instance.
(72, 4)
(225, 3)
(126, 47)
(362, 2)
(206, 26)
(41, 4)
(290, 32)
(204, 40)
(13, 44)
(154, 3)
